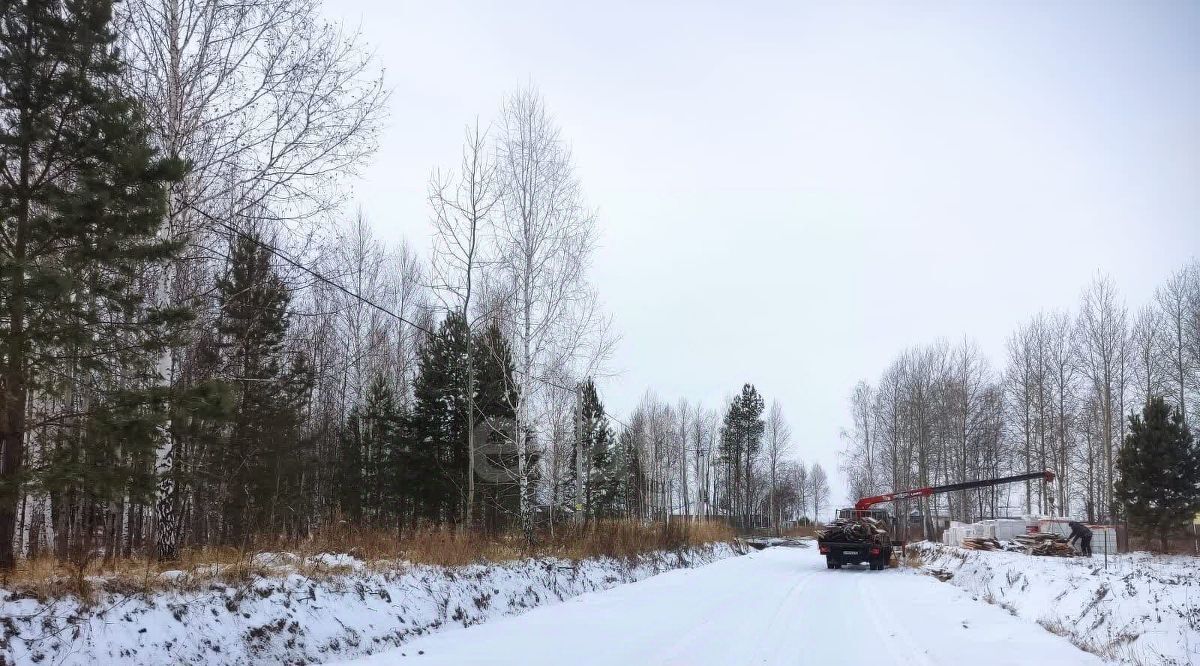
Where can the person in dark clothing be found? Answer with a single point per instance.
(1081, 533)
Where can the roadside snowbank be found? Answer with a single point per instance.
(1145, 609)
(290, 618)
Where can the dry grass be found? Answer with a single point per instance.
(913, 558)
(379, 550)
(453, 548)
(625, 539)
(801, 531)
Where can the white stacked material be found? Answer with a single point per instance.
(1104, 539)
(1003, 530)
(1007, 528)
(954, 535)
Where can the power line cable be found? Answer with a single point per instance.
(274, 251)
(315, 274)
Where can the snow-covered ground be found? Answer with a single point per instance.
(289, 618)
(777, 606)
(1143, 609)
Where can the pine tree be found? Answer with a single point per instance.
(291, 451)
(383, 454)
(374, 468)
(1159, 466)
(495, 401)
(604, 487)
(350, 467)
(81, 201)
(199, 419)
(598, 459)
(741, 437)
(264, 450)
(439, 422)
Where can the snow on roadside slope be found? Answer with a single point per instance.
(779, 606)
(289, 618)
(1145, 609)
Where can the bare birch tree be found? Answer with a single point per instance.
(859, 461)
(1102, 332)
(803, 489)
(818, 484)
(778, 443)
(702, 436)
(1149, 337)
(545, 237)
(1063, 385)
(271, 106)
(1176, 300)
(462, 205)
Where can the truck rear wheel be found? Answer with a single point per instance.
(831, 563)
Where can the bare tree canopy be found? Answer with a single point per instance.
(1062, 402)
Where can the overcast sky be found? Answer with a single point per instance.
(790, 194)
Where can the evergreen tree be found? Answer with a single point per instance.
(378, 429)
(264, 450)
(199, 419)
(598, 459)
(350, 467)
(1159, 466)
(741, 437)
(290, 450)
(81, 201)
(382, 450)
(439, 422)
(373, 462)
(604, 487)
(495, 402)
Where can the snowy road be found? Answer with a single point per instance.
(777, 606)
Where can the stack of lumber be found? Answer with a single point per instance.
(1046, 544)
(857, 529)
(981, 543)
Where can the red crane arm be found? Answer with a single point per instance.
(868, 502)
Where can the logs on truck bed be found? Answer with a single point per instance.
(858, 529)
(1046, 544)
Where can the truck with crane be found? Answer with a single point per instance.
(867, 535)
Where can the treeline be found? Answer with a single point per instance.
(197, 347)
(737, 463)
(1063, 401)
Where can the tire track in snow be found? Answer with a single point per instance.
(897, 641)
(682, 648)
(781, 640)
